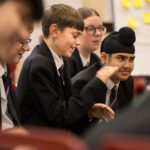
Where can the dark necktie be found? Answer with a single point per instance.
(61, 72)
(113, 99)
(6, 82)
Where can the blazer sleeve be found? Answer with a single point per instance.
(51, 106)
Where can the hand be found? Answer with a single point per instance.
(106, 72)
(101, 111)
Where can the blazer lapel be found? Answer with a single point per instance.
(68, 91)
(122, 98)
(92, 61)
(78, 60)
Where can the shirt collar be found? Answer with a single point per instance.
(85, 61)
(58, 60)
(3, 70)
(110, 84)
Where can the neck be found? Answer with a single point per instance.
(49, 42)
(114, 80)
(84, 53)
(2, 62)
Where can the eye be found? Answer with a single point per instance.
(90, 28)
(131, 59)
(75, 36)
(121, 58)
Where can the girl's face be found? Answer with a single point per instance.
(89, 41)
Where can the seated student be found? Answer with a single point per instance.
(90, 40)
(117, 49)
(44, 87)
(9, 112)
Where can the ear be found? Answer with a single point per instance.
(53, 30)
(103, 58)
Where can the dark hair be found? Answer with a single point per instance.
(2, 1)
(62, 15)
(35, 6)
(86, 12)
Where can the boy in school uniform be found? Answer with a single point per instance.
(9, 111)
(117, 49)
(44, 88)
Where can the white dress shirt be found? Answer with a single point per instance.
(58, 60)
(6, 121)
(85, 61)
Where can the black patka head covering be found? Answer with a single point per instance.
(119, 42)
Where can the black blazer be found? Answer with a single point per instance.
(125, 89)
(43, 99)
(13, 105)
(75, 64)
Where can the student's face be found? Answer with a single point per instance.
(66, 41)
(91, 42)
(124, 61)
(13, 14)
(18, 49)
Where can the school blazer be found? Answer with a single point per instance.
(125, 89)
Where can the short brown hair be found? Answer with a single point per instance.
(86, 12)
(62, 15)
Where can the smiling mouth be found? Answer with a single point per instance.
(20, 55)
(125, 72)
(96, 41)
(73, 48)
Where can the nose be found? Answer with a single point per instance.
(126, 64)
(77, 41)
(98, 32)
(27, 47)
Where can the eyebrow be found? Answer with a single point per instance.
(126, 56)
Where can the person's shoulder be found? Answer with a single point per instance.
(37, 61)
(95, 57)
(129, 81)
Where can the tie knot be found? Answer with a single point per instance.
(61, 70)
(114, 89)
(4, 77)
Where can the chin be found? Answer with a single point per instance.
(123, 78)
(68, 54)
(16, 61)
(95, 48)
